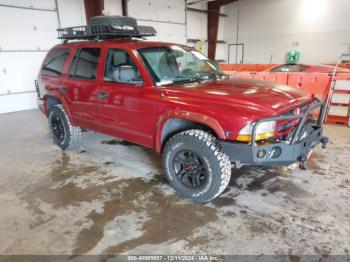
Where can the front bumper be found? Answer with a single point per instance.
(305, 136)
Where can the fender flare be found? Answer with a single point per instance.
(189, 116)
(63, 102)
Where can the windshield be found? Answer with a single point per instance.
(171, 65)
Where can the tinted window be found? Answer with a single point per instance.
(121, 68)
(84, 63)
(54, 62)
(73, 64)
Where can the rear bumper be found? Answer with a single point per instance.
(41, 105)
(305, 137)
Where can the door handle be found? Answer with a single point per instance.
(63, 90)
(102, 95)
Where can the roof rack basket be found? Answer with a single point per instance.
(105, 31)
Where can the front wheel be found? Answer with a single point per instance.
(195, 165)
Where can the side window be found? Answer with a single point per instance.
(120, 68)
(54, 62)
(84, 63)
(71, 71)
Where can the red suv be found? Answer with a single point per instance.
(172, 98)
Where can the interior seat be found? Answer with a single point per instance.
(124, 74)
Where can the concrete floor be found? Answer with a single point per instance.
(109, 197)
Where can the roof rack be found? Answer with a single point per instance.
(105, 31)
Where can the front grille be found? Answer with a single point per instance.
(283, 127)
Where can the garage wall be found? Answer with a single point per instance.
(28, 30)
(171, 21)
(166, 16)
(320, 29)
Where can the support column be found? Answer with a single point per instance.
(213, 24)
(213, 28)
(93, 8)
(125, 7)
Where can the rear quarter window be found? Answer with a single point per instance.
(54, 62)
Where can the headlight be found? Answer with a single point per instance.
(263, 131)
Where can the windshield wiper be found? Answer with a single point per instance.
(194, 79)
(180, 79)
(216, 75)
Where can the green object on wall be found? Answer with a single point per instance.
(293, 57)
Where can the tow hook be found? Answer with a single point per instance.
(324, 141)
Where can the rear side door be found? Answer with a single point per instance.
(128, 108)
(81, 87)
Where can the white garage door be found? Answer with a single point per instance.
(166, 16)
(28, 30)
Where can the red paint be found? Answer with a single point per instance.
(138, 113)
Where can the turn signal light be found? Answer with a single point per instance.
(258, 137)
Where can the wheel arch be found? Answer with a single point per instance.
(51, 100)
(177, 121)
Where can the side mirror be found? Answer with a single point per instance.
(137, 82)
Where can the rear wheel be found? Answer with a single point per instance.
(195, 165)
(64, 134)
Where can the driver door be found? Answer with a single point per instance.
(127, 108)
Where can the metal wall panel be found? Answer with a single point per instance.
(174, 33)
(19, 70)
(25, 29)
(42, 4)
(172, 11)
(28, 30)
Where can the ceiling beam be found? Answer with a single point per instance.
(224, 2)
(199, 1)
(197, 10)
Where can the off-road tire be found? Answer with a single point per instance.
(72, 134)
(113, 19)
(207, 147)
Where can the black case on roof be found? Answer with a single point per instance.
(104, 27)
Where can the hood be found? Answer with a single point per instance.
(262, 95)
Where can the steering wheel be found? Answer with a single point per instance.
(188, 72)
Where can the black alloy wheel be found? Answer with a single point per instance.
(57, 128)
(190, 169)
(195, 165)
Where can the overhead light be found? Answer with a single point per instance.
(313, 9)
